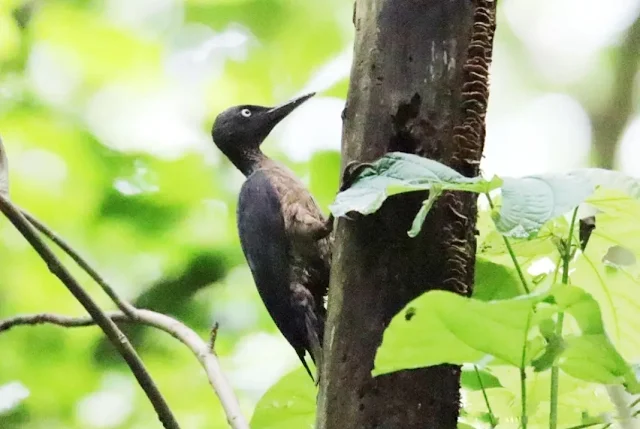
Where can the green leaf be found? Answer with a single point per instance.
(593, 358)
(495, 281)
(555, 347)
(590, 356)
(472, 380)
(576, 396)
(611, 180)
(288, 404)
(541, 244)
(581, 305)
(530, 202)
(397, 173)
(442, 327)
(615, 287)
(448, 328)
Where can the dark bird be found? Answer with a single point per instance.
(283, 233)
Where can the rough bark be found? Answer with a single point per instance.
(418, 85)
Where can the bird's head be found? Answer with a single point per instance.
(241, 129)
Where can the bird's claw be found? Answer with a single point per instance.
(351, 173)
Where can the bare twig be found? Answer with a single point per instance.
(59, 241)
(178, 330)
(211, 346)
(117, 338)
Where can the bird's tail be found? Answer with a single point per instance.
(301, 354)
(312, 318)
(315, 331)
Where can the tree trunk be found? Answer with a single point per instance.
(418, 85)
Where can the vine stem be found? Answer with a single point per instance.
(512, 254)
(492, 417)
(524, 418)
(525, 285)
(555, 371)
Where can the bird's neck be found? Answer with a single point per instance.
(251, 160)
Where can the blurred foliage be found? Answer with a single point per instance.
(105, 111)
(160, 229)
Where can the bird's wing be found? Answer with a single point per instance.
(265, 245)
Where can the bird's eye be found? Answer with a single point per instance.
(245, 112)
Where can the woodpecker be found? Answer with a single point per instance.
(283, 233)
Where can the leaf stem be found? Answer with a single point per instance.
(492, 417)
(512, 254)
(555, 371)
(524, 419)
(586, 425)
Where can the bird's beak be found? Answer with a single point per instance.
(278, 113)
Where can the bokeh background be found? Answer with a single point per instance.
(105, 112)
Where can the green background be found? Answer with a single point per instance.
(105, 112)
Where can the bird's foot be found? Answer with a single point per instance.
(351, 173)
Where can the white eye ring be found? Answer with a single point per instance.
(245, 112)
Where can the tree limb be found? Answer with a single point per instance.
(173, 327)
(419, 84)
(117, 338)
(123, 305)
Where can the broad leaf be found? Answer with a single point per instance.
(615, 286)
(530, 202)
(612, 180)
(543, 243)
(555, 347)
(495, 281)
(593, 358)
(479, 379)
(288, 404)
(577, 400)
(447, 328)
(397, 173)
(589, 356)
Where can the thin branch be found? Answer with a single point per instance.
(213, 335)
(117, 338)
(173, 327)
(123, 305)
